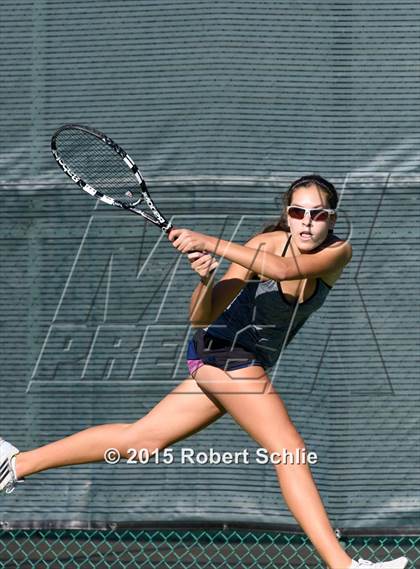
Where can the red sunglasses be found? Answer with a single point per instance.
(317, 214)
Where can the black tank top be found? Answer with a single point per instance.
(261, 319)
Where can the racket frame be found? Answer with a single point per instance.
(157, 218)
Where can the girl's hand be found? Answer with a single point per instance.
(186, 240)
(202, 263)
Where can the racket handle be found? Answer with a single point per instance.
(169, 228)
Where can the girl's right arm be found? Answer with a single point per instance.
(204, 265)
(208, 301)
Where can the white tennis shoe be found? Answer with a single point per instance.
(399, 563)
(8, 478)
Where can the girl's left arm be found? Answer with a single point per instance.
(261, 260)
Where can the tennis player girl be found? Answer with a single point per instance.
(275, 281)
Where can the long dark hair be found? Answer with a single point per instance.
(321, 183)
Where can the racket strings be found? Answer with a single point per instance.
(97, 164)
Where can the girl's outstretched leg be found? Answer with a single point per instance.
(181, 413)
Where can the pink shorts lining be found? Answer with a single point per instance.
(193, 365)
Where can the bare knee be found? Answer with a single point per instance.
(141, 435)
(290, 440)
(294, 443)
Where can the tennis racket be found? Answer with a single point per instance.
(101, 168)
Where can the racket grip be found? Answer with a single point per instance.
(169, 228)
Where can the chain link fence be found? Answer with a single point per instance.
(184, 549)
